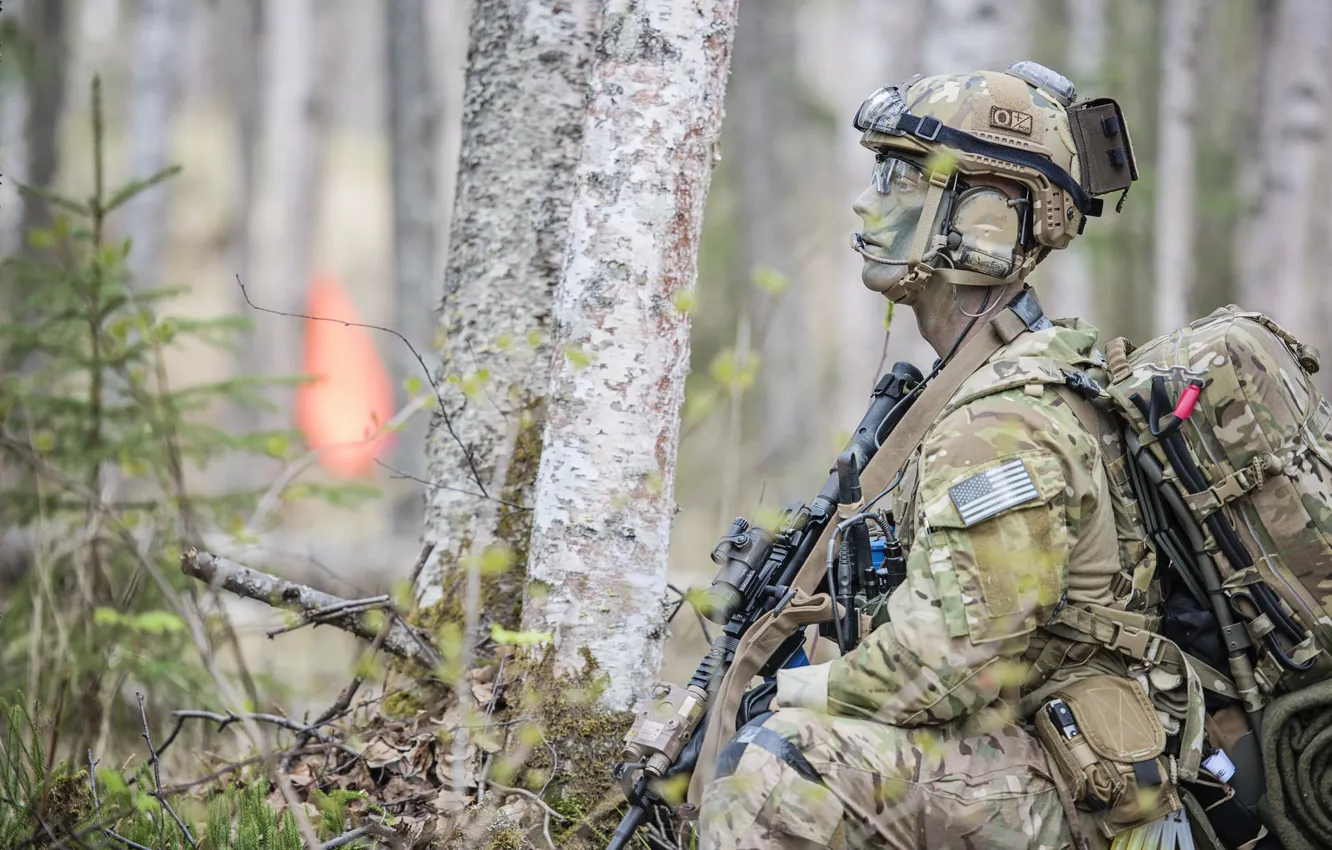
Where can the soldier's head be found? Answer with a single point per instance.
(978, 176)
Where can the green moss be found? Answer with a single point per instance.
(503, 599)
(507, 838)
(586, 738)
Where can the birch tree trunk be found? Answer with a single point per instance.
(1292, 123)
(413, 107)
(290, 167)
(524, 104)
(160, 33)
(1176, 179)
(605, 493)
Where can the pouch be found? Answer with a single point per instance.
(1103, 736)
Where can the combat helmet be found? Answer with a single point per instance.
(1020, 124)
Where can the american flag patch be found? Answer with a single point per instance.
(987, 493)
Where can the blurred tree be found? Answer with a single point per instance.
(1070, 288)
(46, 27)
(239, 41)
(1176, 182)
(770, 139)
(158, 64)
(413, 107)
(522, 122)
(968, 34)
(604, 496)
(292, 145)
(1292, 122)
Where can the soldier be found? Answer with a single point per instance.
(922, 736)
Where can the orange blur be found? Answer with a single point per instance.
(342, 411)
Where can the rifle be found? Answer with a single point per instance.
(757, 567)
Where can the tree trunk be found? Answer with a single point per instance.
(157, 69)
(1176, 179)
(967, 35)
(13, 153)
(767, 118)
(524, 105)
(290, 167)
(1071, 291)
(413, 107)
(46, 26)
(605, 494)
(1292, 123)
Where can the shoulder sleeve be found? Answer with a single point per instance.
(1000, 495)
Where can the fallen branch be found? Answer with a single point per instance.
(225, 720)
(402, 640)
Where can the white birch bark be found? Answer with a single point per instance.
(292, 145)
(605, 494)
(524, 105)
(1176, 178)
(157, 68)
(413, 112)
(1292, 120)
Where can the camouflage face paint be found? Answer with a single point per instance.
(889, 209)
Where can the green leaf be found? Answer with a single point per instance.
(277, 445)
(503, 636)
(135, 187)
(770, 280)
(682, 300)
(578, 356)
(413, 386)
(158, 623)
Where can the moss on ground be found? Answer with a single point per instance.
(587, 741)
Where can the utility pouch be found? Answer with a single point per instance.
(1103, 736)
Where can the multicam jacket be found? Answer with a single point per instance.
(1007, 512)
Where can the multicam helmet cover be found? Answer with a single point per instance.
(1019, 124)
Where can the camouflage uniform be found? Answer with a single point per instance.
(910, 740)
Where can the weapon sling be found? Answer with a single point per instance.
(769, 631)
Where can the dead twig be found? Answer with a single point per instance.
(402, 640)
(182, 787)
(225, 720)
(373, 830)
(322, 616)
(157, 778)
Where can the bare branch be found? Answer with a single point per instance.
(225, 720)
(402, 640)
(157, 778)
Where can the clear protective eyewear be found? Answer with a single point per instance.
(894, 175)
(881, 111)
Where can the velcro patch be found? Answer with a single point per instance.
(996, 489)
(1012, 120)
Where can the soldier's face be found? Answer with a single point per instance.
(889, 211)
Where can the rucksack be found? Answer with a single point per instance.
(1227, 411)
(1229, 447)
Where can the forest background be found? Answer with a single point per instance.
(315, 169)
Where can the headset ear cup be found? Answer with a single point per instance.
(990, 229)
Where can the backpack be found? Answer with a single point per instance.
(1229, 447)
(1224, 415)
